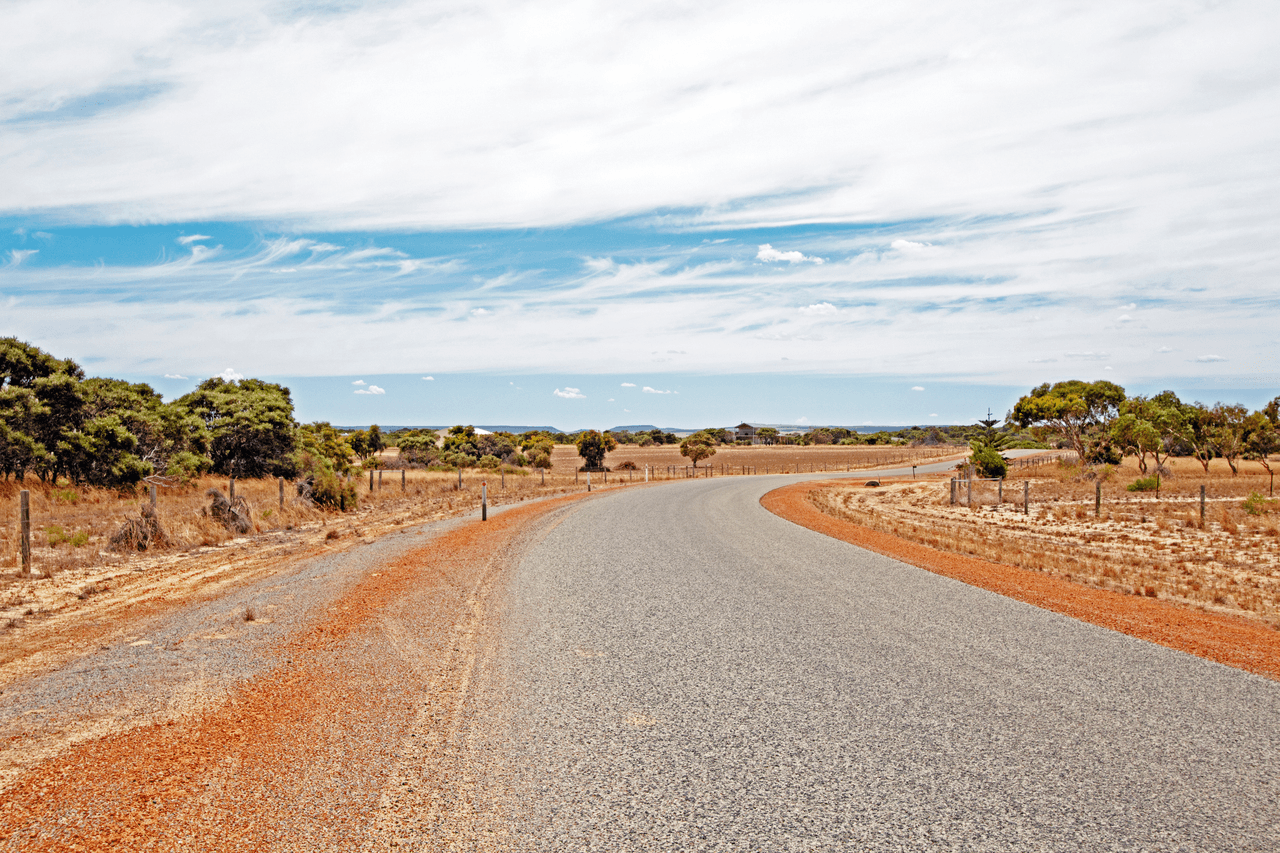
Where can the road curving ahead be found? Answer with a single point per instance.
(684, 670)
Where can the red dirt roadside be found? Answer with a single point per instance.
(1224, 639)
(312, 755)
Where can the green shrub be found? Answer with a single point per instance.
(186, 466)
(58, 535)
(1256, 504)
(65, 496)
(488, 461)
(1144, 484)
(327, 488)
(989, 462)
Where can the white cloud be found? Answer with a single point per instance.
(1165, 349)
(358, 382)
(933, 414)
(647, 390)
(1087, 356)
(917, 388)
(479, 312)
(192, 238)
(570, 393)
(628, 384)
(1131, 306)
(801, 421)
(1124, 318)
(908, 246)
(231, 375)
(428, 379)
(1207, 359)
(820, 309)
(372, 389)
(17, 256)
(174, 376)
(610, 400)
(768, 254)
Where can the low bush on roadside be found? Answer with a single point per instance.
(1256, 504)
(1144, 484)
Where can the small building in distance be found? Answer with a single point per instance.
(745, 432)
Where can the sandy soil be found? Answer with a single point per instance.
(1227, 637)
(352, 739)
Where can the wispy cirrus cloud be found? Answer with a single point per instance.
(372, 390)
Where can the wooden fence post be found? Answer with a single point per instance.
(379, 479)
(484, 501)
(459, 477)
(232, 490)
(282, 493)
(1097, 499)
(371, 479)
(1202, 505)
(24, 530)
(953, 491)
(1026, 496)
(968, 498)
(403, 473)
(1000, 492)
(153, 496)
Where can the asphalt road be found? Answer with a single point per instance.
(686, 671)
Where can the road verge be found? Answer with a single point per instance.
(1227, 640)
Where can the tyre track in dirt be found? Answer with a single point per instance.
(352, 736)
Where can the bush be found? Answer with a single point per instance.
(989, 463)
(1144, 484)
(627, 466)
(1256, 504)
(323, 485)
(186, 466)
(540, 460)
(489, 461)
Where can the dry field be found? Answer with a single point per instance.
(780, 459)
(1138, 544)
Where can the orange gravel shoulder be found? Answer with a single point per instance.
(1225, 639)
(349, 742)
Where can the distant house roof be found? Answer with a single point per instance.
(744, 426)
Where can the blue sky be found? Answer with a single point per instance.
(780, 217)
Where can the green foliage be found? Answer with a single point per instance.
(1256, 504)
(593, 445)
(322, 439)
(326, 487)
(1080, 412)
(1144, 484)
(488, 461)
(57, 535)
(250, 424)
(988, 462)
(185, 466)
(418, 447)
(697, 447)
(65, 496)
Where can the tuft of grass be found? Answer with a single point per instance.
(249, 615)
(332, 534)
(1256, 504)
(91, 589)
(1144, 484)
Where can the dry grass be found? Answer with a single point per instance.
(1138, 544)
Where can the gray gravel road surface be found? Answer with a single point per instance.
(686, 671)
